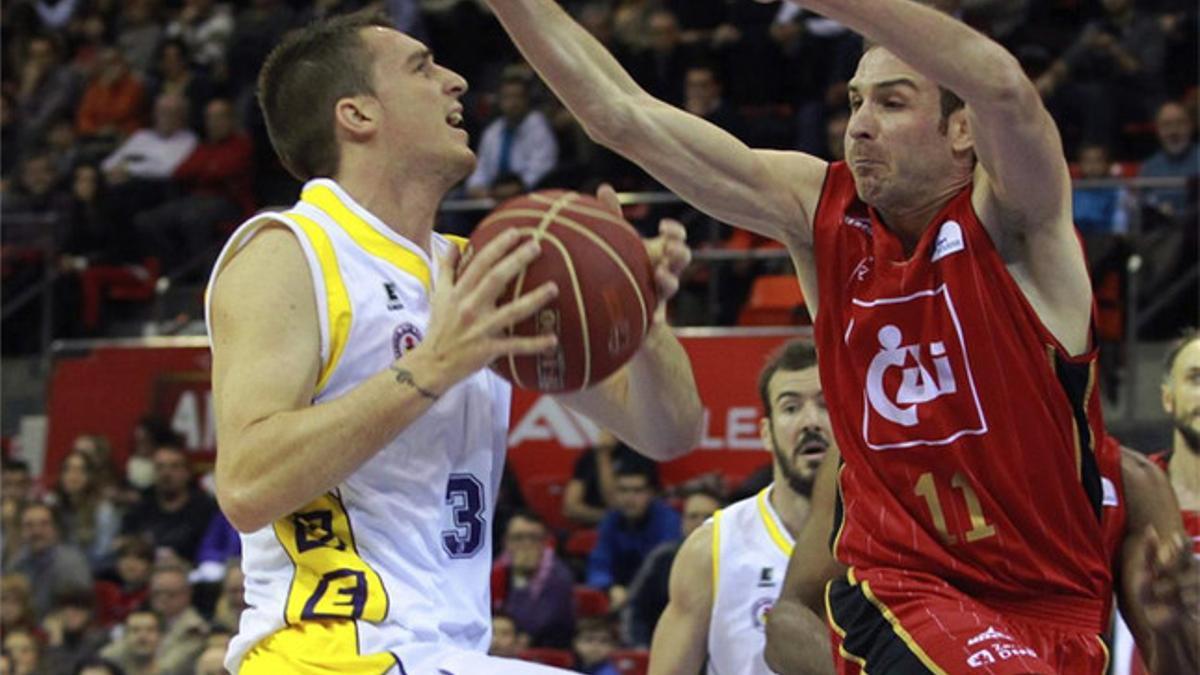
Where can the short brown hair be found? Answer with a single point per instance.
(302, 81)
(1188, 336)
(793, 356)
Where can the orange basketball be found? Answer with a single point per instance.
(606, 294)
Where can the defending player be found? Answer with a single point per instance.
(952, 314)
(730, 570)
(361, 436)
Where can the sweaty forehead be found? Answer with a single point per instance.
(879, 66)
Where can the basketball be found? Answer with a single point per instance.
(606, 294)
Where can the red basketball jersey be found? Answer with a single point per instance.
(971, 438)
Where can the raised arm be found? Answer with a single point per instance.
(1022, 185)
(770, 193)
(278, 451)
(681, 636)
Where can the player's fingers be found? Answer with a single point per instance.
(672, 229)
(608, 196)
(667, 283)
(483, 260)
(526, 345)
(522, 308)
(496, 279)
(677, 255)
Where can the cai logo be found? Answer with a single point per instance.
(918, 388)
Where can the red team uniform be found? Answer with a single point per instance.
(971, 495)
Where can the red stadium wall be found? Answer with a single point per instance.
(105, 388)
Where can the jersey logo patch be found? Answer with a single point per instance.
(759, 611)
(766, 578)
(919, 370)
(393, 296)
(949, 240)
(404, 338)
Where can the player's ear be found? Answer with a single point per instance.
(764, 432)
(958, 128)
(357, 116)
(1168, 400)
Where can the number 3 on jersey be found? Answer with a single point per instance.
(927, 488)
(464, 494)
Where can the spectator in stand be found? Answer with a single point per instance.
(507, 641)
(835, 135)
(72, 633)
(211, 662)
(662, 65)
(517, 149)
(139, 170)
(173, 513)
(16, 604)
(219, 546)
(36, 194)
(112, 103)
(26, 653)
(648, 592)
(99, 449)
(1177, 156)
(702, 98)
(98, 666)
(1098, 210)
(46, 88)
(90, 521)
(591, 492)
(218, 177)
(175, 74)
(232, 602)
(531, 585)
(51, 566)
(639, 523)
(205, 27)
(16, 491)
(594, 644)
(184, 631)
(136, 651)
(1112, 73)
(63, 146)
(139, 33)
(117, 599)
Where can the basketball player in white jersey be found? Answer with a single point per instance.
(361, 435)
(729, 572)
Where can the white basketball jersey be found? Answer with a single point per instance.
(751, 548)
(403, 546)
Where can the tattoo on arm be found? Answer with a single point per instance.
(405, 377)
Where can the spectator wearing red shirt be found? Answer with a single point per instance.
(113, 101)
(217, 177)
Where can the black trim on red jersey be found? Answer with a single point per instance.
(868, 636)
(1076, 379)
(839, 511)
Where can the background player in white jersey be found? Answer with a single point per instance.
(730, 570)
(361, 435)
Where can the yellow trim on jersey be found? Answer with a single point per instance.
(337, 299)
(314, 648)
(716, 550)
(862, 663)
(896, 627)
(460, 242)
(1107, 655)
(367, 237)
(837, 536)
(772, 526)
(331, 580)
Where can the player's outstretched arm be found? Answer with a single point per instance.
(652, 403)
(771, 193)
(1159, 579)
(1022, 184)
(680, 641)
(797, 638)
(278, 451)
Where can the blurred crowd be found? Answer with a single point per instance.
(133, 144)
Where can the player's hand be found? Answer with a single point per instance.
(1169, 583)
(669, 253)
(466, 326)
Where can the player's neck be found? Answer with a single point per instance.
(408, 207)
(791, 507)
(909, 220)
